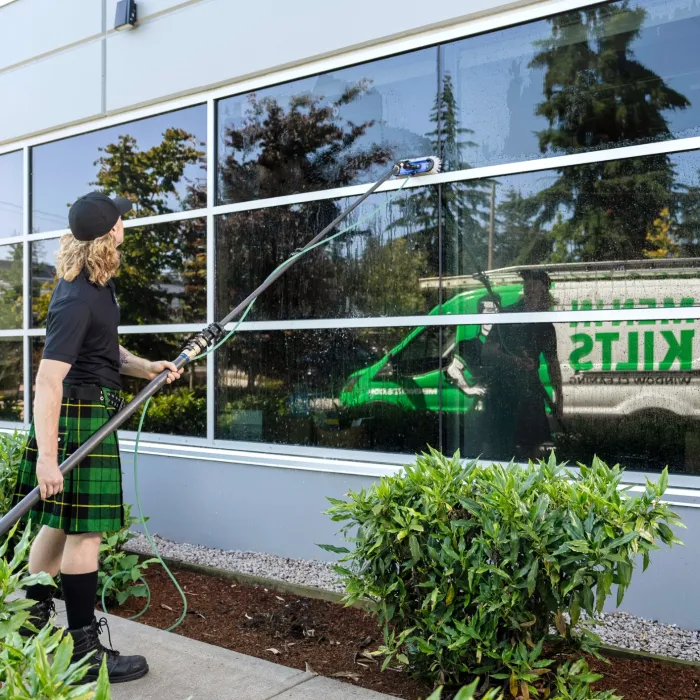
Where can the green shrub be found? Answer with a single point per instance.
(169, 412)
(11, 449)
(120, 572)
(473, 565)
(25, 670)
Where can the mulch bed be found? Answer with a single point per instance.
(334, 641)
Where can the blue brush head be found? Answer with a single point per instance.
(419, 166)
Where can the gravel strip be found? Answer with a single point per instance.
(316, 574)
(621, 629)
(617, 629)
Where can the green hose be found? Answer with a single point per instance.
(293, 257)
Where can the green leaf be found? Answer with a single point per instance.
(532, 577)
(416, 553)
(333, 548)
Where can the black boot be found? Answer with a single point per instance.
(39, 615)
(120, 668)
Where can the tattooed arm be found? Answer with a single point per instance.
(134, 366)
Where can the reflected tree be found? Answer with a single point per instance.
(299, 147)
(597, 93)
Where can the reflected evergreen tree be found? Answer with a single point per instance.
(596, 93)
(304, 146)
(465, 205)
(521, 240)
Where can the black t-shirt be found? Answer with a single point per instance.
(526, 340)
(82, 330)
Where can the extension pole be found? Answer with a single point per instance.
(29, 501)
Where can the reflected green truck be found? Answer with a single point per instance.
(610, 369)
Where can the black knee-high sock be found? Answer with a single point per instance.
(40, 592)
(80, 595)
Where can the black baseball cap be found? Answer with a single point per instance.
(95, 214)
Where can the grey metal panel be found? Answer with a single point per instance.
(212, 42)
(33, 27)
(232, 506)
(62, 88)
(279, 511)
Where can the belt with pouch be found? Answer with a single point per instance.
(91, 392)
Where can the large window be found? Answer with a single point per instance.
(321, 388)
(373, 270)
(11, 380)
(159, 163)
(327, 131)
(11, 286)
(11, 199)
(593, 125)
(590, 79)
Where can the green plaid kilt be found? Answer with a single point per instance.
(91, 500)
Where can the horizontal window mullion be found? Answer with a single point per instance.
(658, 314)
(482, 173)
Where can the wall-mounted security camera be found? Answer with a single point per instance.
(126, 15)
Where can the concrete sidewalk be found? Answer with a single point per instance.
(182, 668)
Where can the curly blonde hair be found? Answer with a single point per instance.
(99, 257)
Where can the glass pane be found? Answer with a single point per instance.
(589, 79)
(177, 409)
(330, 130)
(162, 278)
(159, 163)
(43, 278)
(11, 380)
(163, 275)
(331, 388)
(621, 234)
(11, 199)
(629, 393)
(11, 286)
(375, 270)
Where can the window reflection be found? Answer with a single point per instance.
(11, 380)
(11, 199)
(159, 163)
(11, 286)
(621, 234)
(43, 277)
(374, 270)
(177, 409)
(623, 391)
(325, 388)
(330, 130)
(588, 79)
(162, 278)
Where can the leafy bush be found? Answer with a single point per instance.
(473, 565)
(25, 670)
(120, 571)
(11, 449)
(168, 412)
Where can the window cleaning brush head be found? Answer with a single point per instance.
(418, 166)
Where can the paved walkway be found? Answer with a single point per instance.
(182, 668)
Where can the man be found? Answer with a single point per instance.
(515, 404)
(77, 391)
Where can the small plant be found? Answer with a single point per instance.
(11, 449)
(469, 693)
(121, 572)
(25, 670)
(473, 565)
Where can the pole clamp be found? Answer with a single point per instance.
(206, 338)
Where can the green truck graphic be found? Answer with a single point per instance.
(610, 370)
